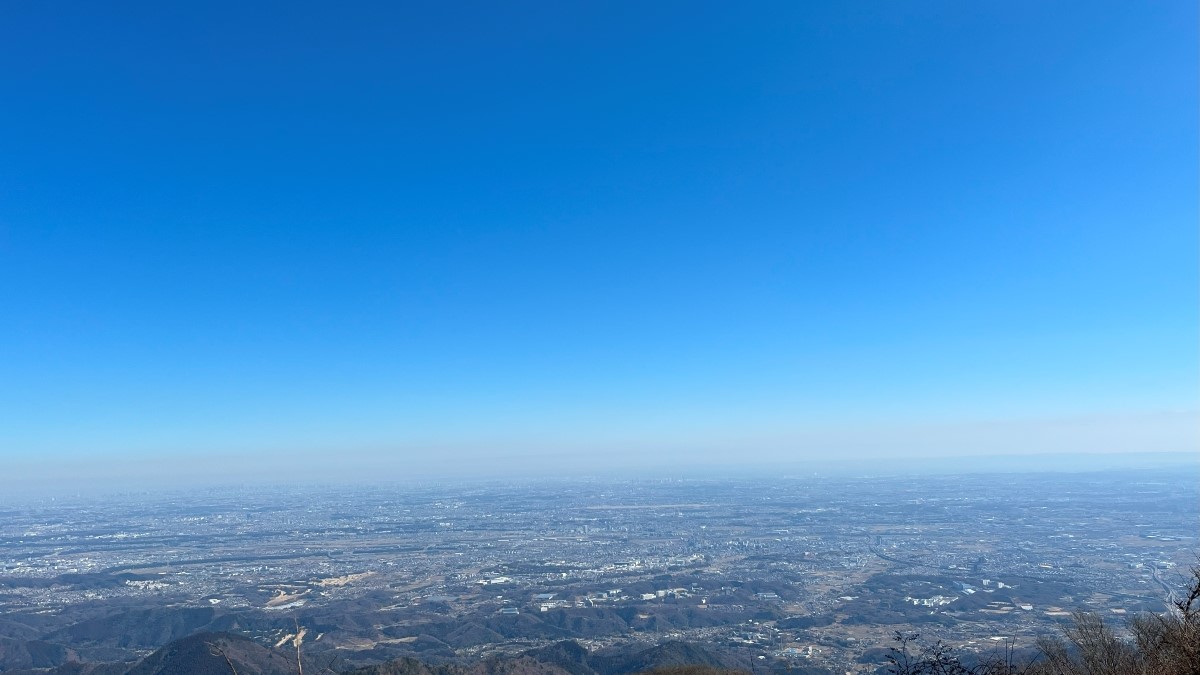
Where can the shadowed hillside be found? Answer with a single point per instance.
(567, 658)
(214, 654)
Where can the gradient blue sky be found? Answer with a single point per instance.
(597, 232)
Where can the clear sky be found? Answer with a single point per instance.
(502, 234)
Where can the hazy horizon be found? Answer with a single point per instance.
(100, 477)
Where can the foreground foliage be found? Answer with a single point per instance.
(1156, 644)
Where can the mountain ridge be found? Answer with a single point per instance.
(223, 653)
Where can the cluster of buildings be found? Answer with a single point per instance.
(811, 557)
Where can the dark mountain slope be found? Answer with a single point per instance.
(568, 658)
(568, 655)
(205, 654)
(213, 653)
(18, 654)
(521, 665)
(667, 654)
(143, 628)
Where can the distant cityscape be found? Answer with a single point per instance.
(803, 569)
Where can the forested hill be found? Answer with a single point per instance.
(227, 653)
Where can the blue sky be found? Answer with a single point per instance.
(597, 232)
